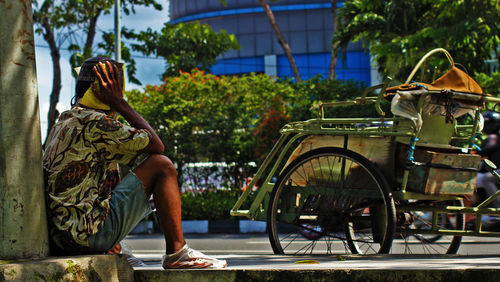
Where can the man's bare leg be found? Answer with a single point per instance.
(159, 177)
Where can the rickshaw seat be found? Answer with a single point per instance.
(435, 131)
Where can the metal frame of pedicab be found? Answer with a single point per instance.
(383, 127)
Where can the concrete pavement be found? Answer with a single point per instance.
(381, 262)
(255, 266)
(247, 267)
(328, 268)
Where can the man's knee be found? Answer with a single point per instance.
(163, 164)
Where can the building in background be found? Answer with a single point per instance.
(306, 25)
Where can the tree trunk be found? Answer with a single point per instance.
(281, 40)
(333, 56)
(23, 220)
(87, 49)
(56, 71)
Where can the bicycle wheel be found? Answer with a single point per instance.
(415, 243)
(331, 201)
(423, 220)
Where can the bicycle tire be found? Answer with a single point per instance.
(332, 193)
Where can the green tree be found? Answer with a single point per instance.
(90, 11)
(235, 120)
(64, 23)
(186, 46)
(490, 83)
(107, 48)
(50, 21)
(205, 118)
(399, 32)
(303, 105)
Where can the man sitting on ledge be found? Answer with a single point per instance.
(90, 209)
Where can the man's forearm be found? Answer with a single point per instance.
(137, 121)
(111, 92)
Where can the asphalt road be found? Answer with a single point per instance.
(153, 246)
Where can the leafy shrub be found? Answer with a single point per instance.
(201, 117)
(309, 94)
(208, 204)
(205, 118)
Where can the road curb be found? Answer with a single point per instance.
(229, 226)
(348, 275)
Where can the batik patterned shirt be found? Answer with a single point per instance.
(81, 160)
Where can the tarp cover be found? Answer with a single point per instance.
(454, 79)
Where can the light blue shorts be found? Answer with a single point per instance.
(128, 206)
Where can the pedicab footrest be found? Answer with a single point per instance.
(440, 173)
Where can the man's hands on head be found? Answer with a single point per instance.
(110, 92)
(110, 89)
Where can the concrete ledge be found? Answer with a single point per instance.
(262, 268)
(227, 226)
(348, 275)
(75, 268)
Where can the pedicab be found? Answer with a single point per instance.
(386, 184)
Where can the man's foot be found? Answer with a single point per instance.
(124, 249)
(189, 258)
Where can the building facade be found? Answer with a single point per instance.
(306, 25)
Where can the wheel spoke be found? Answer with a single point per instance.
(286, 246)
(428, 243)
(307, 219)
